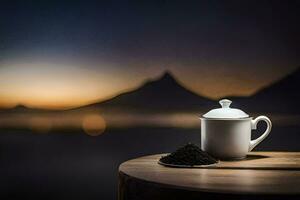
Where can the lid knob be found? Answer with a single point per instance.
(225, 103)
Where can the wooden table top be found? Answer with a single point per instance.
(223, 180)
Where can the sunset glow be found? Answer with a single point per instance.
(55, 86)
(55, 59)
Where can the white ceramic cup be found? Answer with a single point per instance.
(229, 139)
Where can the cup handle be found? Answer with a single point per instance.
(254, 143)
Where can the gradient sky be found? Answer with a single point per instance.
(67, 53)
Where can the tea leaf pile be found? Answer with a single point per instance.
(189, 155)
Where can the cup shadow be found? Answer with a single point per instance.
(255, 157)
(248, 157)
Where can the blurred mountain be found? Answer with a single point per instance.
(24, 109)
(167, 94)
(162, 94)
(283, 96)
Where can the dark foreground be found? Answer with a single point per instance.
(76, 166)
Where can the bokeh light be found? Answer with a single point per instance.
(93, 124)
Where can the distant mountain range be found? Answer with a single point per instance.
(167, 94)
(163, 93)
(283, 96)
(23, 109)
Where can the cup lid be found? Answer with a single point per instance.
(225, 112)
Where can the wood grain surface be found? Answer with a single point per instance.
(274, 173)
(256, 160)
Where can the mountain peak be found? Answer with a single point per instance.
(162, 93)
(20, 107)
(164, 81)
(167, 75)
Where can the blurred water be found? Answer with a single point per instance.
(73, 165)
(95, 120)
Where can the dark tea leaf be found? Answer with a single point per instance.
(190, 154)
